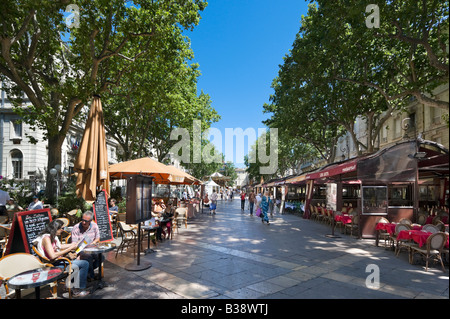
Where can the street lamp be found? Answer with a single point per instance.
(55, 173)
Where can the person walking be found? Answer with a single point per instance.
(213, 206)
(271, 205)
(242, 200)
(251, 201)
(265, 202)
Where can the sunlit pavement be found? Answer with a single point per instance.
(232, 255)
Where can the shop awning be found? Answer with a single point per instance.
(342, 168)
(296, 179)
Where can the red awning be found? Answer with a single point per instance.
(342, 168)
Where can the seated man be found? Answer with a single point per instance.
(113, 208)
(35, 204)
(87, 227)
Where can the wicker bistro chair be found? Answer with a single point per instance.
(405, 221)
(330, 217)
(430, 228)
(383, 234)
(421, 219)
(180, 217)
(432, 250)
(312, 212)
(403, 243)
(354, 225)
(65, 262)
(338, 223)
(319, 215)
(14, 264)
(441, 226)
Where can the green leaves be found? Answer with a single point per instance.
(338, 69)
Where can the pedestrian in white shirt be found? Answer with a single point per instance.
(213, 198)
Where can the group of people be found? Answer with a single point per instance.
(162, 217)
(263, 205)
(83, 265)
(8, 204)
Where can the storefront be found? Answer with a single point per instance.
(393, 183)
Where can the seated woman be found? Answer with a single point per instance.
(168, 214)
(158, 208)
(48, 244)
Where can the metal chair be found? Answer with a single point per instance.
(129, 238)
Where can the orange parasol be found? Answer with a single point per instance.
(92, 160)
(187, 178)
(145, 166)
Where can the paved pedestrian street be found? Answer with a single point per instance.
(232, 255)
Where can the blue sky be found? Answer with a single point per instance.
(239, 45)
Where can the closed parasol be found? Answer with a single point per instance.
(92, 160)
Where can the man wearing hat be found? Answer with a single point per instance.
(35, 204)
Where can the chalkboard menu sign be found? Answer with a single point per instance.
(139, 199)
(101, 213)
(25, 228)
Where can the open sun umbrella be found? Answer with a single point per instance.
(161, 173)
(187, 178)
(92, 160)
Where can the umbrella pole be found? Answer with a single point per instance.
(138, 266)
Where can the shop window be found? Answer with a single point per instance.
(374, 200)
(400, 196)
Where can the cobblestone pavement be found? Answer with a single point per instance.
(232, 255)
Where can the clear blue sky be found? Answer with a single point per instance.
(239, 45)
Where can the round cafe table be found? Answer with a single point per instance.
(35, 278)
(99, 249)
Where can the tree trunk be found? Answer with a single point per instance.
(54, 158)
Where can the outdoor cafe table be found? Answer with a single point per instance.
(344, 219)
(35, 279)
(149, 229)
(418, 236)
(99, 249)
(390, 227)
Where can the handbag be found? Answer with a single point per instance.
(258, 212)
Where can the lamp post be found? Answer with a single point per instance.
(55, 171)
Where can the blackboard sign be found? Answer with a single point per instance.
(139, 199)
(101, 213)
(25, 228)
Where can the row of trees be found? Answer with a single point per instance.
(341, 68)
(134, 54)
